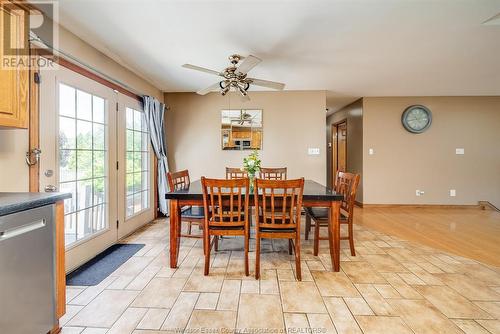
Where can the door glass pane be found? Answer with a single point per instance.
(70, 228)
(137, 163)
(83, 105)
(97, 109)
(83, 162)
(84, 135)
(98, 134)
(67, 165)
(67, 100)
(67, 132)
(84, 223)
(99, 219)
(130, 205)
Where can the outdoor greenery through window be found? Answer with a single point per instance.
(82, 162)
(137, 169)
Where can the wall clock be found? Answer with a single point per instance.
(416, 118)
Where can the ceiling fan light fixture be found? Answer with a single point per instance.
(224, 91)
(242, 90)
(235, 76)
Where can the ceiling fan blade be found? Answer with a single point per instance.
(210, 88)
(248, 63)
(266, 83)
(201, 69)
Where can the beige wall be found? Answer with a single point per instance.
(404, 162)
(353, 113)
(14, 143)
(293, 121)
(13, 169)
(74, 46)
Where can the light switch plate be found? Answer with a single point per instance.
(313, 151)
(459, 151)
(371, 151)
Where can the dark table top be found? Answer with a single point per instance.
(16, 202)
(313, 191)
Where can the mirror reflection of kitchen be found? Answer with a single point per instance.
(241, 129)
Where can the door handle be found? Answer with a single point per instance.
(50, 188)
(13, 232)
(36, 152)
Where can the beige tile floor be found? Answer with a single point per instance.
(391, 286)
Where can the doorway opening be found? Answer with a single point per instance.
(339, 148)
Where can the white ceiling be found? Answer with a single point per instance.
(351, 48)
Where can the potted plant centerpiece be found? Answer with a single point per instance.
(251, 165)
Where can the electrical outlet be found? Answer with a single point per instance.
(419, 192)
(371, 151)
(460, 151)
(453, 192)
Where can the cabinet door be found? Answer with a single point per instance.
(13, 72)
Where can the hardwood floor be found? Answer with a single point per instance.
(472, 233)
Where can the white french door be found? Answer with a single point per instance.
(83, 138)
(135, 180)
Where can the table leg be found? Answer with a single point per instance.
(175, 231)
(334, 234)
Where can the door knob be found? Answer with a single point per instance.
(50, 188)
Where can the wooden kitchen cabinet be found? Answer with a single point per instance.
(14, 70)
(60, 261)
(256, 140)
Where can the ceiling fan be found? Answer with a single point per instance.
(236, 77)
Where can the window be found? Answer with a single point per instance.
(137, 161)
(82, 162)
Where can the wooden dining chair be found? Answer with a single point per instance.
(226, 205)
(235, 173)
(272, 173)
(347, 185)
(277, 215)
(189, 214)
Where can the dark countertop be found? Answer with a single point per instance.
(15, 202)
(312, 191)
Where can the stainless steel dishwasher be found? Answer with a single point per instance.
(27, 272)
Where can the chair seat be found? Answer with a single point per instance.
(193, 212)
(227, 228)
(321, 213)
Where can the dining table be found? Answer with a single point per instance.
(314, 195)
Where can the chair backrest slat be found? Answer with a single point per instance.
(224, 202)
(272, 173)
(235, 173)
(347, 185)
(278, 203)
(178, 180)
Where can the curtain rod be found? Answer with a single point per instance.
(35, 38)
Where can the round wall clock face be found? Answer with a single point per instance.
(416, 119)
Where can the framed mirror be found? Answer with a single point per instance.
(241, 129)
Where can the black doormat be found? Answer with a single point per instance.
(101, 266)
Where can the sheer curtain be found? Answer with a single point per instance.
(154, 111)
